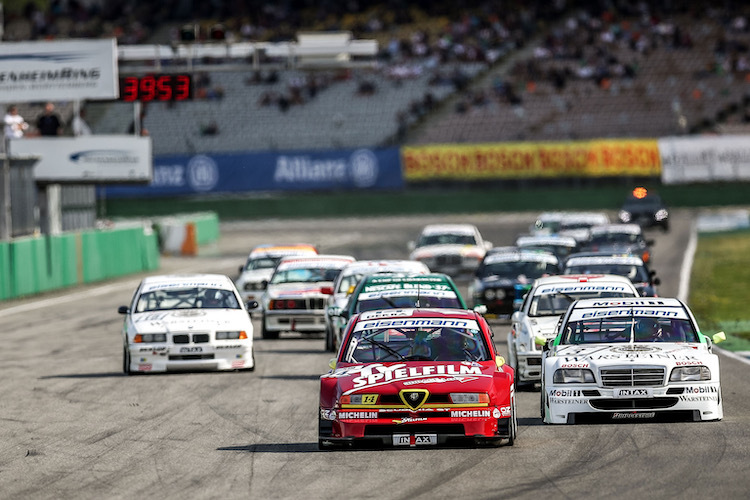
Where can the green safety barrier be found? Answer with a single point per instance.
(37, 264)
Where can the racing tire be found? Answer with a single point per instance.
(329, 340)
(252, 356)
(513, 425)
(126, 361)
(264, 332)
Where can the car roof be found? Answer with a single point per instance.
(522, 255)
(561, 279)
(324, 260)
(603, 258)
(385, 266)
(270, 250)
(546, 239)
(449, 228)
(616, 228)
(412, 278)
(422, 312)
(205, 280)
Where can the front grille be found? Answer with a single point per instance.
(394, 399)
(298, 304)
(632, 377)
(633, 404)
(184, 338)
(181, 339)
(200, 338)
(189, 357)
(534, 361)
(448, 260)
(379, 430)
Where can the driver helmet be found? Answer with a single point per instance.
(645, 329)
(214, 298)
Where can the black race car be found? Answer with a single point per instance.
(645, 208)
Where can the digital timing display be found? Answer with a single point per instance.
(156, 88)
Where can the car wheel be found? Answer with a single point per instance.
(252, 356)
(264, 332)
(513, 424)
(126, 360)
(329, 340)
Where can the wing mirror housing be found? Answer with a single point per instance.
(480, 309)
(718, 337)
(332, 363)
(123, 310)
(499, 361)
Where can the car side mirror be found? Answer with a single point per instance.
(242, 268)
(412, 245)
(650, 242)
(251, 304)
(488, 245)
(499, 361)
(332, 363)
(719, 337)
(656, 281)
(540, 341)
(480, 309)
(123, 310)
(264, 284)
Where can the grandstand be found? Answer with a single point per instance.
(526, 73)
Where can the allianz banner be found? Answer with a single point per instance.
(246, 172)
(525, 160)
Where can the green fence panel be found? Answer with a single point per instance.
(68, 258)
(92, 257)
(44, 264)
(5, 271)
(206, 227)
(150, 250)
(24, 276)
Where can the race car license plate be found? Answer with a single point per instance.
(634, 392)
(633, 415)
(414, 439)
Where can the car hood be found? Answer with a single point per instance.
(191, 319)
(255, 275)
(433, 250)
(393, 377)
(659, 354)
(544, 325)
(283, 290)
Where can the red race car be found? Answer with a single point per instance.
(417, 377)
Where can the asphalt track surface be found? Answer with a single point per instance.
(72, 426)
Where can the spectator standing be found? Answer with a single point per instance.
(15, 125)
(79, 125)
(49, 123)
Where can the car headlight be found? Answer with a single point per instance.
(469, 398)
(690, 374)
(150, 337)
(490, 294)
(231, 335)
(661, 214)
(573, 376)
(625, 216)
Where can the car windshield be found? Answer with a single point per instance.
(614, 239)
(556, 303)
(606, 330)
(404, 300)
(512, 270)
(635, 273)
(305, 275)
(446, 239)
(261, 263)
(349, 281)
(557, 250)
(417, 344)
(186, 298)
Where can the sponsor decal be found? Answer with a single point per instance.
(238, 363)
(688, 363)
(631, 312)
(144, 367)
(700, 390)
(386, 313)
(496, 413)
(376, 373)
(505, 411)
(632, 415)
(229, 347)
(191, 349)
(417, 323)
(632, 392)
(696, 399)
(202, 173)
(327, 414)
(470, 414)
(558, 401)
(565, 393)
(435, 380)
(354, 415)
(364, 168)
(409, 420)
(414, 440)
(575, 365)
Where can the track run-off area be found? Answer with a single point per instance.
(73, 426)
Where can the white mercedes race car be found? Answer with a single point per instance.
(186, 323)
(258, 268)
(633, 358)
(542, 307)
(453, 249)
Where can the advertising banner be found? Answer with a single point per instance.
(65, 70)
(88, 159)
(247, 172)
(471, 162)
(704, 159)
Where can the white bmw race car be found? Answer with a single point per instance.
(633, 358)
(186, 323)
(543, 305)
(453, 249)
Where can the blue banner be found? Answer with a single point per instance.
(290, 171)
